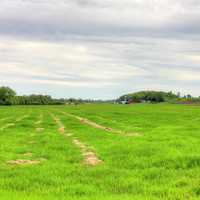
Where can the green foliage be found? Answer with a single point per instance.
(148, 96)
(6, 95)
(33, 100)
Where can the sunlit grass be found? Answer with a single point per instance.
(162, 163)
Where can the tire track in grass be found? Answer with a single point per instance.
(90, 157)
(8, 125)
(98, 126)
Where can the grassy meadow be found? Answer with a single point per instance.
(100, 151)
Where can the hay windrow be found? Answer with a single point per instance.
(90, 158)
(98, 126)
(23, 162)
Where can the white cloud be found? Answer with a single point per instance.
(71, 64)
(187, 75)
(113, 45)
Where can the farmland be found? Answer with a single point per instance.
(100, 151)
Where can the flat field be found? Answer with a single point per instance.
(110, 152)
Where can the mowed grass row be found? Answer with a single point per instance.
(162, 163)
(58, 159)
(165, 159)
(141, 117)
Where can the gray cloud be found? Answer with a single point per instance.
(63, 19)
(115, 46)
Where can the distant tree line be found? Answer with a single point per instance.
(9, 97)
(157, 97)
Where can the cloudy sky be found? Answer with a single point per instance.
(99, 49)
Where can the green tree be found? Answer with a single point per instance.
(148, 96)
(6, 95)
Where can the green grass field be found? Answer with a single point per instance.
(110, 152)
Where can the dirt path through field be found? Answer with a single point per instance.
(90, 157)
(98, 126)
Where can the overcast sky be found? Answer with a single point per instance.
(100, 49)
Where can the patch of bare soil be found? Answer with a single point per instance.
(90, 158)
(23, 162)
(98, 126)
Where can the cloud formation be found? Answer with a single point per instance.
(93, 48)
